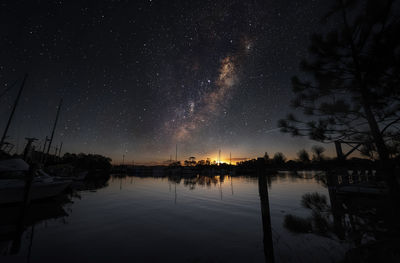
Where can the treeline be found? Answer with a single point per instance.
(81, 161)
(88, 162)
(191, 161)
(314, 159)
(306, 161)
(94, 165)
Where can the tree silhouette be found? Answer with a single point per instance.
(354, 93)
(191, 161)
(266, 157)
(304, 157)
(279, 158)
(201, 162)
(318, 151)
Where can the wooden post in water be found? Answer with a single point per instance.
(12, 112)
(265, 212)
(336, 205)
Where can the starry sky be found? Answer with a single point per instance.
(139, 77)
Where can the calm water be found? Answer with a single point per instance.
(201, 219)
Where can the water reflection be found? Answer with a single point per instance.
(15, 220)
(364, 220)
(266, 218)
(284, 217)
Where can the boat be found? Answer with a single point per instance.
(67, 171)
(80, 176)
(12, 183)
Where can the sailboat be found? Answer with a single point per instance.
(12, 182)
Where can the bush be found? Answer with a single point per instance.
(297, 224)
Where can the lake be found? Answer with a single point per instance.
(198, 219)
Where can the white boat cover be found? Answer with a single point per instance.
(13, 165)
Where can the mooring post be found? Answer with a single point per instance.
(336, 204)
(265, 212)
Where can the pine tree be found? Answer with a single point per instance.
(354, 91)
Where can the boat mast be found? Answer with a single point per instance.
(176, 153)
(54, 126)
(59, 151)
(12, 112)
(44, 149)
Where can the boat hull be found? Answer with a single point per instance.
(15, 194)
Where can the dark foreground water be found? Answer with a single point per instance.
(202, 219)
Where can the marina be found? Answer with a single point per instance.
(200, 131)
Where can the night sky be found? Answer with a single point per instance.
(139, 77)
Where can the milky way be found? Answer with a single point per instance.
(198, 114)
(140, 77)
